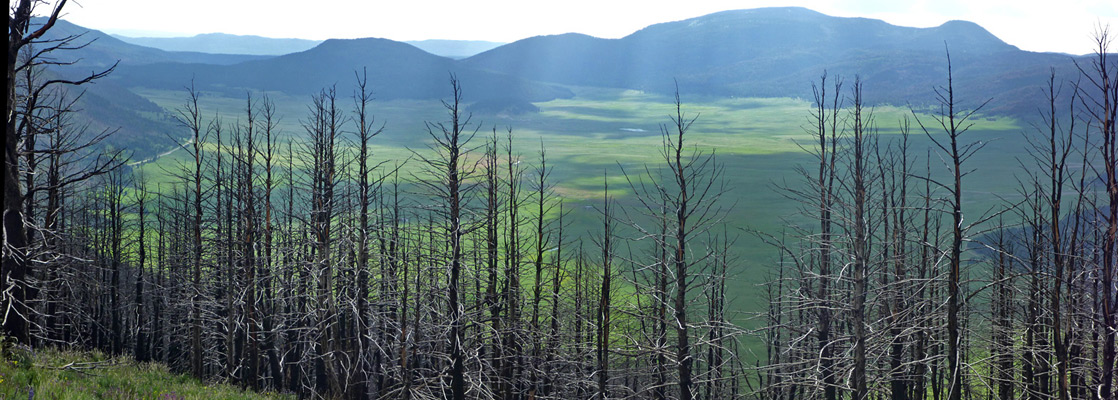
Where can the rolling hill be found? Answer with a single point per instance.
(777, 52)
(224, 43)
(767, 52)
(107, 104)
(102, 50)
(395, 70)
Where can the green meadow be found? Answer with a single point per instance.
(593, 137)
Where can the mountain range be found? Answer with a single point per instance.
(395, 70)
(102, 50)
(766, 52)
(224, 43)
(779, 52)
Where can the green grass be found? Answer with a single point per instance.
(758, 141)
(63, 374)
(599, 131)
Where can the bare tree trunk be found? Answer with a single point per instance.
(141, 351)
(826, 179)
(455, 232)
(511, 346)
(682, 265)
(603, 321)
(267, 281)
(860, 247)
(955, 124)
(1101, 106)
(542, 193)
(17, 268)
(365, 132)
(324, 128)
(114, 191)
(492, 215)
(1056, 151)
(249, 243)
(190, 116)
(450, 185)
(902, 301)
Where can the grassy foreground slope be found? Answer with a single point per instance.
(60, 374)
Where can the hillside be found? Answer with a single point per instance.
(769, 52)
(395, 70)
(775, 52)
(141, 126)
(102, 50)
(224, 43)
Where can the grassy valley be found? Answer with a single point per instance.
(768, 204)
(600, 131)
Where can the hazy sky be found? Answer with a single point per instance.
(1037, 25)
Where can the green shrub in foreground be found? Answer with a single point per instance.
(64, 374)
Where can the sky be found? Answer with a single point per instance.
(1037, 25)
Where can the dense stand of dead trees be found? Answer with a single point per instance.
(312, 266)
(899, 290)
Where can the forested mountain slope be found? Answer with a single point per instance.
(776, 52)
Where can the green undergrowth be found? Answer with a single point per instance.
(66, 374)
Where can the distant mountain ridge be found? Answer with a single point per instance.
(108, 104)
(779, 52)
(395, 70)
(224, 43)
(764, 52)
(767, 52)
(103, 50)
